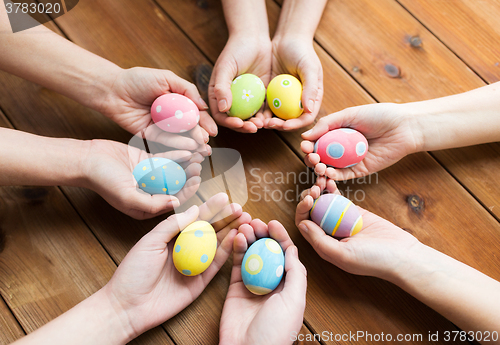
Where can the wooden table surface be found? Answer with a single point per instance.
(58, 245)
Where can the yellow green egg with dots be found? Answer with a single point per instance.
(194, 249)
(284, 96)
(249, 93)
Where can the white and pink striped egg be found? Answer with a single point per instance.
(175, 113)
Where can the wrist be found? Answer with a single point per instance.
(417, 263)
(101, 89)
(114, 320)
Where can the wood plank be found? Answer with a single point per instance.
(10, 330)
(468, 27)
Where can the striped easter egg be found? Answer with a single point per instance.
(336, 215)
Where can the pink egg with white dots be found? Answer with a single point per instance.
(175, 113)
(341, 148)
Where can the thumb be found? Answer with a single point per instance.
(330, 122)
(296, 277)
(170, 227)
(310, 80)
(224, 76)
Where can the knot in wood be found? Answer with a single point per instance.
(391, 70)
(201, 76)
(202, 4)
(355, 69)
(415, 202)
(415, 41)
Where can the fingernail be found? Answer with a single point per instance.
(307, 132)
(295, 251)
(310, 105)
(206, 138)
(173, 203)
(222, 105)
(203, 104)
(303, 227)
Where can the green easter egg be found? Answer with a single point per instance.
(248, 96)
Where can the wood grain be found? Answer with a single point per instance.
(468, 27)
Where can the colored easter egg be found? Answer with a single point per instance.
(341, 148)
(263, 266)
(159, 176)
(284, 96)
(336, 215)
(175, 113)
(249, 93)
(194, 249)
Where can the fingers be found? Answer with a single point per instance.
(302, 121)
(326, 246)
(154, 134)
(224, 74)
(339, 119)
(226, 216)
(170, 227)
(303, 208)
(208, 124)
(221, 255)
(213, 206)
(240, 247)
(189, 189)
(278, 232)
(141, 205)
(296, 278)
(184, 87)
(309, 75)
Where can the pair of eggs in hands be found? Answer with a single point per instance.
(173, 113)
(284, 94)
(263, 264)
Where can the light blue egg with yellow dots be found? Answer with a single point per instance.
(159, 176)
(263, 266)
(194, 249)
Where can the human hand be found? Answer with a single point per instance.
(297, 57)
(245, 316)
(133, 91)
(377, 250)
(242, 54)
(148, 288)
(391, 135)
(108, 167)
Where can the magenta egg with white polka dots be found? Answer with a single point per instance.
(341, 148)
(175, 113)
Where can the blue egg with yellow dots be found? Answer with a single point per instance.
(263, 266)
(159, 176)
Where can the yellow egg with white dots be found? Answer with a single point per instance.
(284, 96)
(194, 249)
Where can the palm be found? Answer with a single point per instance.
(147, 281)
(298, 58)
(129, 105)
(110, 165)
(380, 244)
(239, 57)
(246, 316)
(389, 136)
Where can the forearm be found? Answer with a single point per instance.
(465, 119)
(460, 293)
(248, 18)
(300, 18)
(94, 321)
(27, 159)
(43, 57)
